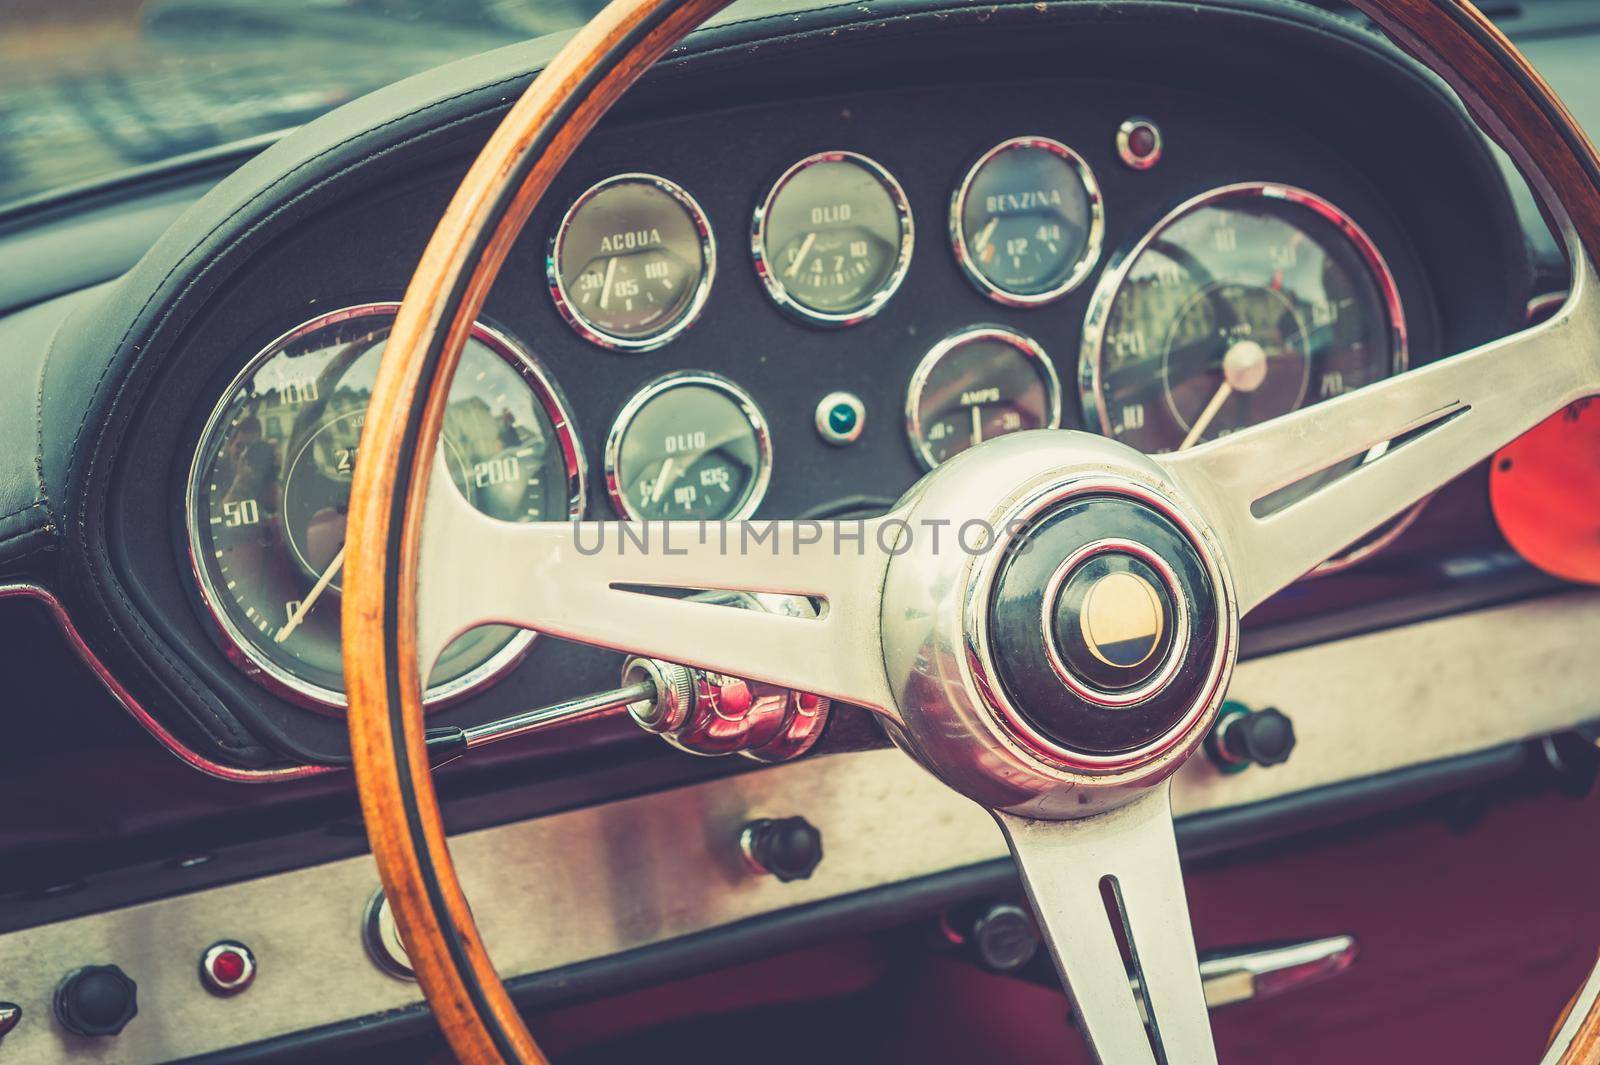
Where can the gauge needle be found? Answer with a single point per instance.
(985, 233)
(977, 425)
(605, 286)
(661, 481)
(311, 598)
(1202, 423)
(800, 256)
(1244, 367)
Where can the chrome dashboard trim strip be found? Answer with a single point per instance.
(1361, 706)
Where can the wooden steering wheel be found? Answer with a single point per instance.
(906, 630)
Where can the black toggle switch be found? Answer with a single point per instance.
(96, 1000)
(1243, 737)
(790, 848)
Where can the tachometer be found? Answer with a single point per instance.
(270, 486)
(1242, 305)
(832, 241)
(690, 446)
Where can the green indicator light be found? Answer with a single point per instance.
(839, 419)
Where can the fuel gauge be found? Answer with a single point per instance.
(690, 446)
(978, 384)
(1027, 221)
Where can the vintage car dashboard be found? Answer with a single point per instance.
(812, 255)
(789, 307)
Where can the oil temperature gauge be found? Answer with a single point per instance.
(690, 446)
(980, 383)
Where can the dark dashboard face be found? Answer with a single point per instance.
(777, 311)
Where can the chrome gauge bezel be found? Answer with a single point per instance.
(692, 310)
(239, 648)
(936, 354)
(1092, 247)
(1091, 351)
(666, 383)
(769, 275)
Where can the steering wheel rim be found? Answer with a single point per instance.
(385, 640)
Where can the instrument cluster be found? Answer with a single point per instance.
(1241, 304)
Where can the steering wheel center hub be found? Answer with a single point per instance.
(1083, 650)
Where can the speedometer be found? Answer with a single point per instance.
(269, 490)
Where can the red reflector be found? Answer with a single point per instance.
(1545, 487)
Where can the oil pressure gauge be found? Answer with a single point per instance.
(690, 446)
(833, 238)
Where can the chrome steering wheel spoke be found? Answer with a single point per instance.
(1066, 866)
(615, 585)
(1418, 430)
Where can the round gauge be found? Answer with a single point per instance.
(690, 446)
(978, 384)
(1242, 305)
(1027, 221)
(269, 490)
(630, 266)
(832, 240)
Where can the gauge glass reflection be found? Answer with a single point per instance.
(1027, 221)
(976, 385)
(631, 264)
(833, 238)
(269, 492)
(690, 446)
(1244, 305)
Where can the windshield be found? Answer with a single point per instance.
(90, 89)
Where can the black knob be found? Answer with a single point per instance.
(96, 1000)
(1243, 737)
(790, 848)
(1004, 938)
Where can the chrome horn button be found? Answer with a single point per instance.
(1110, 621)
(1081, 654)
(1102, 623)
(1112, 614)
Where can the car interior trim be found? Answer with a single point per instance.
(884, 819)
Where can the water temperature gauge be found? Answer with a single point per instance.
(980, 383)
(631, 265)
(690, 446)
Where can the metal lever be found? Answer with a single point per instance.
(447, 743)
(692, 709)
(1227, 976)
(1268, 970)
